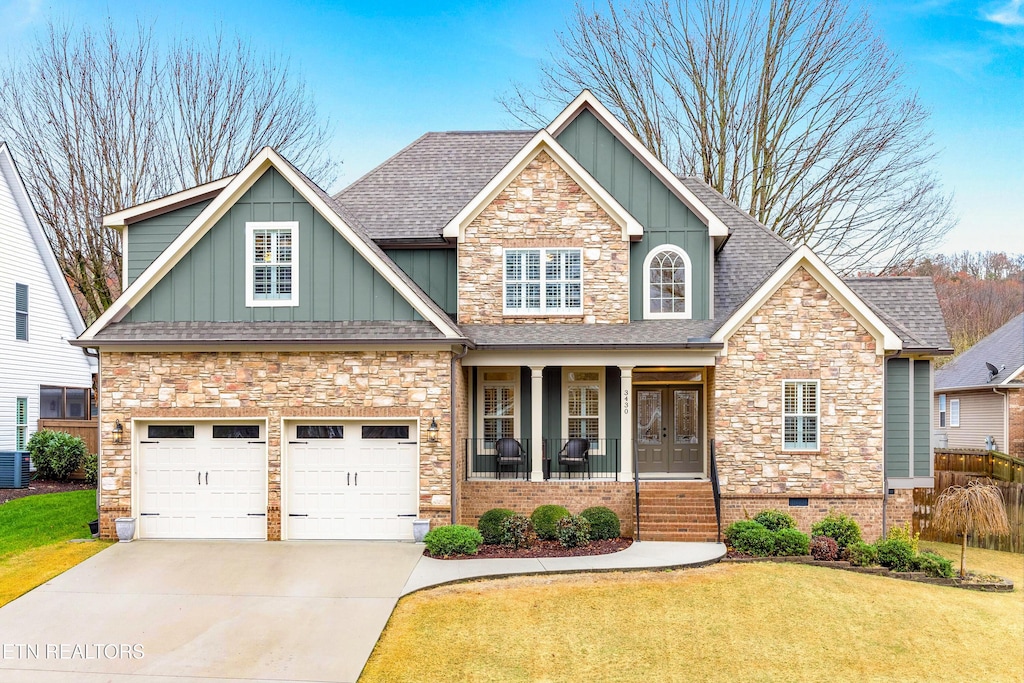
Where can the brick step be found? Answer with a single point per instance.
(679, 521)
(679, 538)
(678, 502)
(688, 505)
(678, 528)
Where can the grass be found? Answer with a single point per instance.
(33, 539)
(727, 622)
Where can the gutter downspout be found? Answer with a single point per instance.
(454, 456)
(99, 424)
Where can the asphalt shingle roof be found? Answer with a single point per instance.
(414, 194)
(1004, 349)
(207, 333)
(909, 306)
(635, 334)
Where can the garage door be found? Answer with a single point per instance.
(352, 480)
(205, 480)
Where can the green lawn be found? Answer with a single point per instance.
(34, 534)
(726, 622)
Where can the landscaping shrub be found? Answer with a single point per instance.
(861, 554)
(774, 520)
(91, 465)
(603, 523)
(517, 532)
(737, 528)
(933, 565)
(55, 454)
(824, 548)
(791, 542)
(755, 540)
(545, 520)
(904, 533)
(490, 524)
(896, 554)
(573, 531)
(840, 528)
(453, 540)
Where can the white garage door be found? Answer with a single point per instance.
(352, 480)
(205, 480)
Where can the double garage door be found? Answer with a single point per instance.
(341, 480)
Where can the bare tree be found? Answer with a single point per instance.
(794, 109)
(977, 507)
(101, 122)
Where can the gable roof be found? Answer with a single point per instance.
(170, 202)
(1004, 349)
(910, 306)
(320, 201)
(35, 228)
(415, 193)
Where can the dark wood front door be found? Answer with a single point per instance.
(668, 429)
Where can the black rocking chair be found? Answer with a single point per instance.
(575, 453)
(509, 452)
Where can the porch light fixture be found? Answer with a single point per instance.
(432, 430)
(118, 431)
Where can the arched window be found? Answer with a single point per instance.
(667, 283)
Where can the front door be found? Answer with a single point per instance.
(668, 430)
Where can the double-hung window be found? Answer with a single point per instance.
(499, 405)
(954, 412)
(21, 312)
(543, 281)
(942, 410)
(272, 274)
(583, 394)
(800, 415)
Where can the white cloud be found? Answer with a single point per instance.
(1009, 14)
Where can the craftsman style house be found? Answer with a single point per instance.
(498, 319)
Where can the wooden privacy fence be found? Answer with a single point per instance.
(989, 463)
(85, 429)
(1013, 502)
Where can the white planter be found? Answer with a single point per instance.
(420, 527)
(125, 529)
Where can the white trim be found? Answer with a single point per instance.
(636, 358)
(886, 339)
(602, 416)
(586, 100)
(482, 383)
(250, 229)
(267, 158)
(1013, 375)
(951, 422)
(911, 482)
(124, 258)
(121, 218)
(817, 416)
(542, 310)
(543, 142)
(687, 285)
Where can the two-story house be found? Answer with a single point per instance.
(498, 319)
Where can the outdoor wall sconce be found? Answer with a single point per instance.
(118, 431)
(432, 430)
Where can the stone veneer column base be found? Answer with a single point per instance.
(866, 509)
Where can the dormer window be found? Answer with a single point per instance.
(667, 275)
(272, 274)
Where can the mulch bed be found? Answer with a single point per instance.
(545, 549)
(39, 486)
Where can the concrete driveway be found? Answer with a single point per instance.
(204, 610)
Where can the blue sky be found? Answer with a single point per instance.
(386, 72)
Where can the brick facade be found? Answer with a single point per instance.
(544, 207)
(866, 509)
(274, 385)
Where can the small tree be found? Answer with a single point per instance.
(977, 507)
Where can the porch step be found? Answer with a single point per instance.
(678, 511)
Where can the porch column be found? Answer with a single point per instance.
(626, 421)
(537, 412)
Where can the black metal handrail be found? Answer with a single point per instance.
(717, 491)
(604, 460)
(482, 461)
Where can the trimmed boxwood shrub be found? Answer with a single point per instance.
(824, 548)
(545, 520)
(933, 564)
(517, 532)
(861, 554)
(791, 542)
(490, 524)
(573, 531)
(840, 528)
(453, 540)
(896, 553)
(774, 520)
(55, 454)
(603, 523)
(755, 540)
(737, 528)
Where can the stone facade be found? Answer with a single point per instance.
(544, 207)
(273, 385)
(1015, 406)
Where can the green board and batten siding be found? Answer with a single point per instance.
(335, 282)
(147, 239)
(665, 218)
(907, 457)
(434, 270)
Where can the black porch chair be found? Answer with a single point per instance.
(575, 453)
(509, 452)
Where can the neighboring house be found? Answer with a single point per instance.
(979, 395)
(287, 364)
(42, 375)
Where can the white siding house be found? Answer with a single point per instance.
(38, 316)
